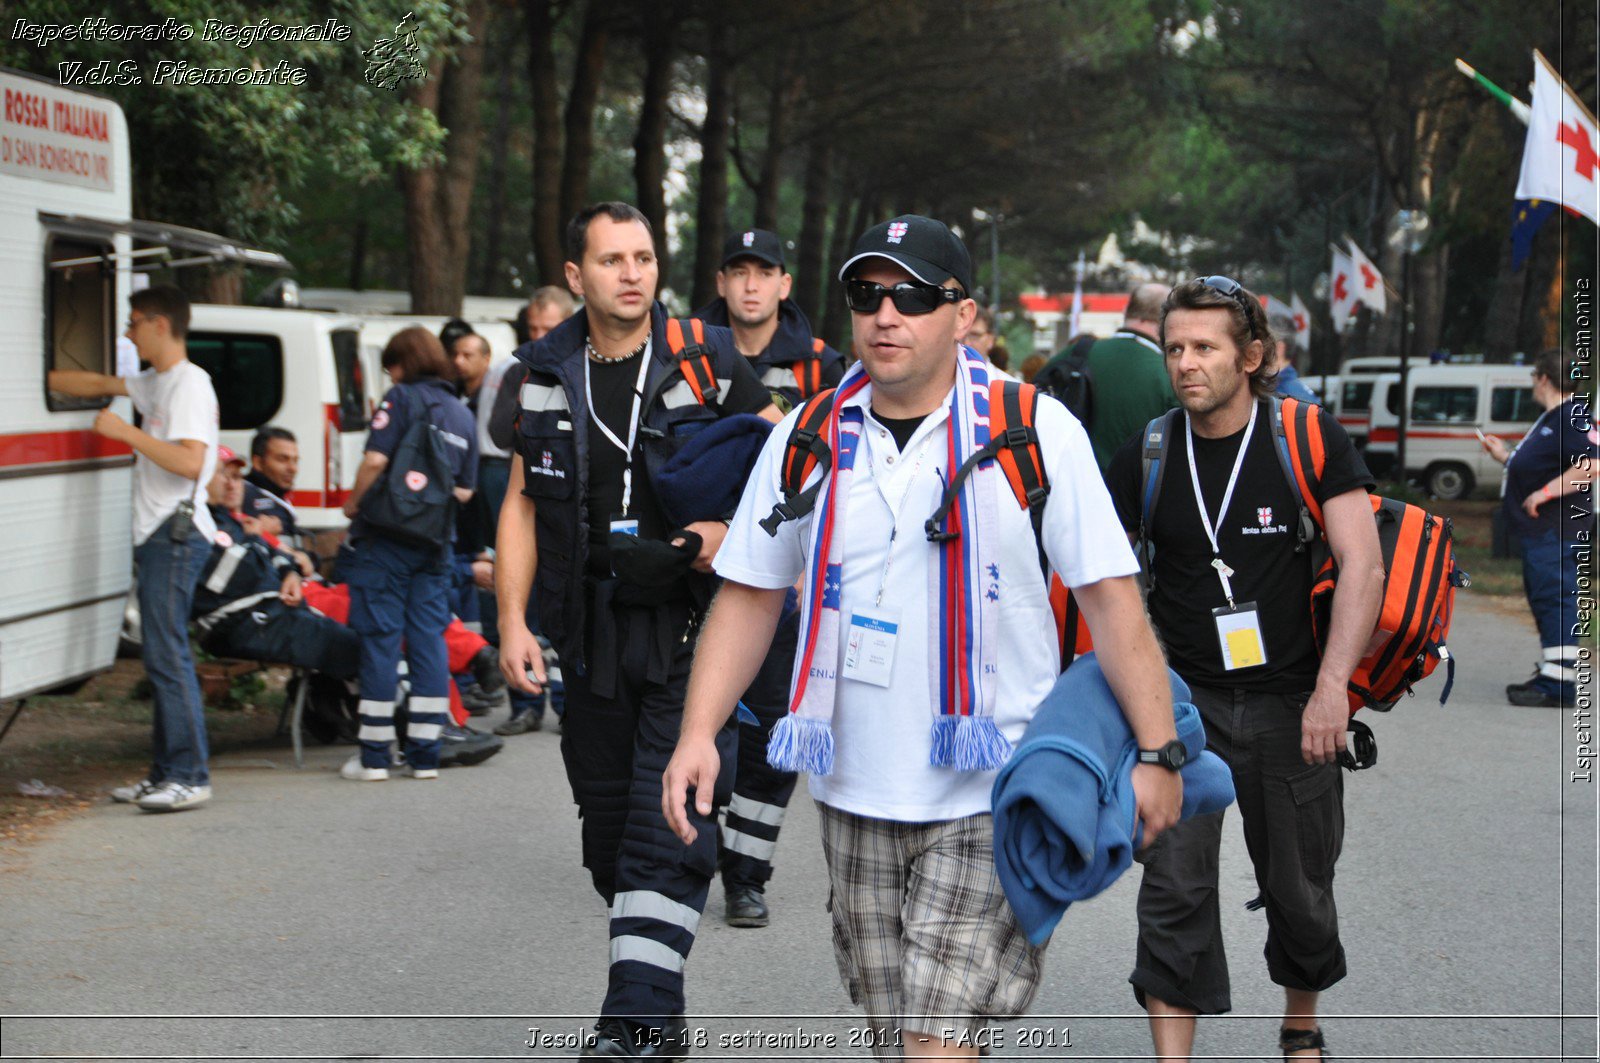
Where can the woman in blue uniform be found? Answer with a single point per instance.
(399, 591)
(1549, 504)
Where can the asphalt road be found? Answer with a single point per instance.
(303, 916)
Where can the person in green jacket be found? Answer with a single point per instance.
(1129, 375)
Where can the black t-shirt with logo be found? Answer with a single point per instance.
(1257, 537)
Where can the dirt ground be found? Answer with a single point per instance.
(85, 743)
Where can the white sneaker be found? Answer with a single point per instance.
(174, 797)
(422, 773)
(128, 795)
(353, 770)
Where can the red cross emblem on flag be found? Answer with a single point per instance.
(897, 229)
(749, 239)
(1264, 515)
(1368, 278)
(1299, 322)
(416, 480)
(1340, 292)
(1584, 160)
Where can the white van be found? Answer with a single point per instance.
(1353, 407)
(66, 492)
(1449, 405)
(376, 330)
(295, 369)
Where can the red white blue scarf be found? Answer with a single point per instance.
(963, 593)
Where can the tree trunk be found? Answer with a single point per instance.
(585, 92)
(546, 101)
(711, 210)
(358, 255)
(439, 198)
(771, 178)
(650, 142)
(835, 316)
(1505, 306)
(810, 280)
(489, 270)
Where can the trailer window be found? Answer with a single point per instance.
(352, 380)
(1512, 404)
(80, 314)
(247, 373)
(1453, 404)
(1356, 396)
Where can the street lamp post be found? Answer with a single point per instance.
(1408, 231)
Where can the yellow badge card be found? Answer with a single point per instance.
(1239, 634)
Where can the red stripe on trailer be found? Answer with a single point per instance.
(50, 448)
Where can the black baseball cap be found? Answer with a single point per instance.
(754, 243)
(924, 248)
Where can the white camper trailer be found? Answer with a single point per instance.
(66, 492)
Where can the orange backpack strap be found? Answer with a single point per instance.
(806, 448)
(694, 358)
(808, 371)
(1297, 431)
(1072, 630)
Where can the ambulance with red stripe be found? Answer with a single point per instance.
(303, 370)
(1353, 405)
(1449, 406)
(66, 492)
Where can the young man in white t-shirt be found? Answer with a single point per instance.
(924, 936)
(176, 451)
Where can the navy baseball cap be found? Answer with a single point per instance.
(754, 243)
(924, 248)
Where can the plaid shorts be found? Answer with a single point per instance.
(921, 929)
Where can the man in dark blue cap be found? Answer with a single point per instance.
(753, 300)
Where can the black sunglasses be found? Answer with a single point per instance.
(864, 297)
(1233, 290)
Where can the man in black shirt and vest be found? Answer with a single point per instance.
(606, 402)
(1229, 593)
(753, 286)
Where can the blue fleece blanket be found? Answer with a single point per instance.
(1064, 823)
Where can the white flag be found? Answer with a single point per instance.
(1302, 322)
(1075, 322)
(1366, 279)
(1559, 157)
(1342, 301)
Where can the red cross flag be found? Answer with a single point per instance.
(1302, 322)
(1366, 280)
(1342, 301)
(1560, 157)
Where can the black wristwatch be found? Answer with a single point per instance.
(1172, 756)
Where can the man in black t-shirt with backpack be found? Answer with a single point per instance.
(1229, 593)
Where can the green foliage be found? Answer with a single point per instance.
(236, 158)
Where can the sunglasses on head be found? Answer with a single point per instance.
(1233, 290)
(864, 297)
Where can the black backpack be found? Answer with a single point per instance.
(414, 499)
(1067, 379)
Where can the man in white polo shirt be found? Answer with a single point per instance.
(176, 451)
(920, 662)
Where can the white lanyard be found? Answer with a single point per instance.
(633, 421)
(894, 511)
(1223, 571)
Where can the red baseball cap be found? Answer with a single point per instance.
(226, 456)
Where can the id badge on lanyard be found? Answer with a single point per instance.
(869, 645)
(1239, 634)
(627, 525)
